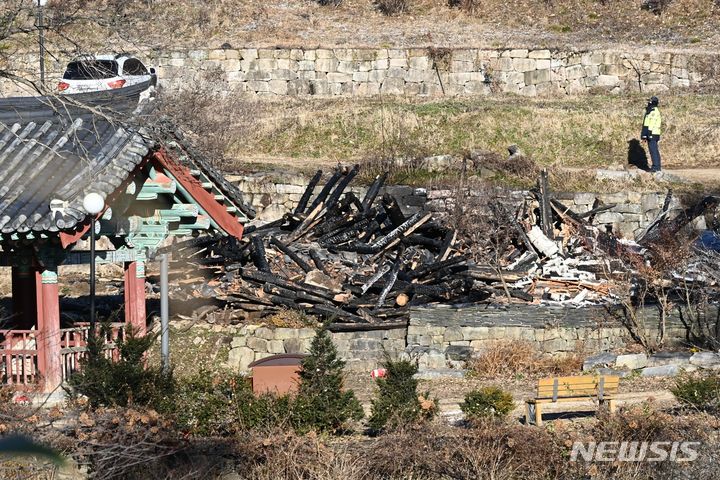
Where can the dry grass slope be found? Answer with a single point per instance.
(580, 132)
(490, 23)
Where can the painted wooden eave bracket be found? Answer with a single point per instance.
(207, 201)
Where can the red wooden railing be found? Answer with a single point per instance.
(73, 345)
(18, 357)
(19, 353)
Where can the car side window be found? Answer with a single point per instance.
(134, 67)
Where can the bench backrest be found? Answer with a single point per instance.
(579, 386)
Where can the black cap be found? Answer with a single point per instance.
(653, 100)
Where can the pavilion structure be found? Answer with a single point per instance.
(53, 152)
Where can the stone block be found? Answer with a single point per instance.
(661, 371)
(669, 358)
(608, 81)
(257, 344)
(293, 345)
(543, 64)
(537, 76)
(393, 86)
(524, 64)
(459, 352)
(608, 217)
(584, 198)
(240, 358)
(599, 360)
(475, 87)
(632, 361)
(574, 72)
(453, 334)
(377, 76)
(306, 333)
(381, 64)
(285, 333)
(518, 53)
(706, 360)
(278, 87)
(419, 63)
(475, 333)
(540, 54)
(319, 87)
(592, 59)
(249, 53)
(276, 346)
(432, 360)
(339, 77)
(327, 65)
(529, 91)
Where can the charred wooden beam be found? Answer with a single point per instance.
(372, 192)
(433, 267)
(264, 277)
(335, 196)
(258, 255)
(302, 205)
(393, 210)
(317, 260)
(366, 327)
(293, 255)
(326, 189)
(389, 284)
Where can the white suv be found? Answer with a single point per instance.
(103, 72)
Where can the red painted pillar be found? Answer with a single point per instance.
(135, 296)
(48, 336)
(24, 296)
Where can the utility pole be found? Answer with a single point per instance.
(164, 314)
(41, 40)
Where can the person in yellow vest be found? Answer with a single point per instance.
(652, 124)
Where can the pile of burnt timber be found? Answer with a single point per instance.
(341, 257)
(361, 262)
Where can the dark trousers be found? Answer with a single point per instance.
(654, 154)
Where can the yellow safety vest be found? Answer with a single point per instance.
(653, 122)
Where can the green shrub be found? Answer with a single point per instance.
(125, 382)
(702, 392)
(207, 404)
(321, 403)
(397, 400)
(486, 403)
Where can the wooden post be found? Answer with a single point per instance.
(24, 296)
(135, 296)
(48, 336)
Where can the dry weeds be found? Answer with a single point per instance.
(493, 23)
(516, 357)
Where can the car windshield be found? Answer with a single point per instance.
(91, 70)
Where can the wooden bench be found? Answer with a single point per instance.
(569, 389)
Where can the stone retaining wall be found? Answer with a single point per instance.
(441, 337)
(415, 71)
(362, 351)
(273, 195)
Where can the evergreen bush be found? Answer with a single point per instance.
(219, 405)
(397, 401)
(321, 403)
(127, 381)
(701, 392)
(487, 402)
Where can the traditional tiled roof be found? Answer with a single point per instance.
(54, 150)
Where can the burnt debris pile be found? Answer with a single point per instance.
(361, 261)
